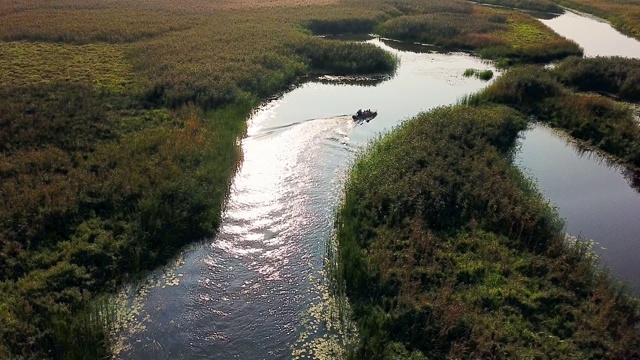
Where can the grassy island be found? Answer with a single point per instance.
(447, 251)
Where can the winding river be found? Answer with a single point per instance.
(253, 291)
(250, 292)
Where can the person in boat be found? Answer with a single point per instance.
(359, 112)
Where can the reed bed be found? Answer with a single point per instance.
(447, 251)
(120, 123)
(506, 36)
(119, 132)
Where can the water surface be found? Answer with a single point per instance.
(594, 35)
(247, 292)
(592, 195)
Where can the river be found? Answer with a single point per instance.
(254, 290)
(251, 291)
(592, 194)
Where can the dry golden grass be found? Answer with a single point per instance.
(37, 63)
(72, 25)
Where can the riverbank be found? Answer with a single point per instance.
(567, 97)
(446, 250)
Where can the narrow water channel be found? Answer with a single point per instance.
(247, 292)
(594, 35)
(592, 195)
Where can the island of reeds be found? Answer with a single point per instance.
(447, 251)
(119, 128)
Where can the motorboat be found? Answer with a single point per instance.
(364, 115)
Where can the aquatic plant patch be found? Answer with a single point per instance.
(480, 74)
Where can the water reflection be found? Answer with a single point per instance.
(353, 80)
(591, 194)
(543, 15)
(594, 35)
(632, 177)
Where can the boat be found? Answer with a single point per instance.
(364, 115)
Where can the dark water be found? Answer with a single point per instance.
(251, 291)
(593, 196)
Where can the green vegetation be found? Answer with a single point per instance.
(613, 75)
(507, 36)
(119, 130)
(480, 74)
(447, 251)
(119, 124)
(600, 121)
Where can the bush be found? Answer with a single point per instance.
(615, 75)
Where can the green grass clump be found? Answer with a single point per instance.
(447, 251)
(615, 75)
(480, 74)
(485, 75)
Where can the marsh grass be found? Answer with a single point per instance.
(120, 123)
(119, 131)
(612, 75)
(448, 251)
(508, 36)
(25, 64)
